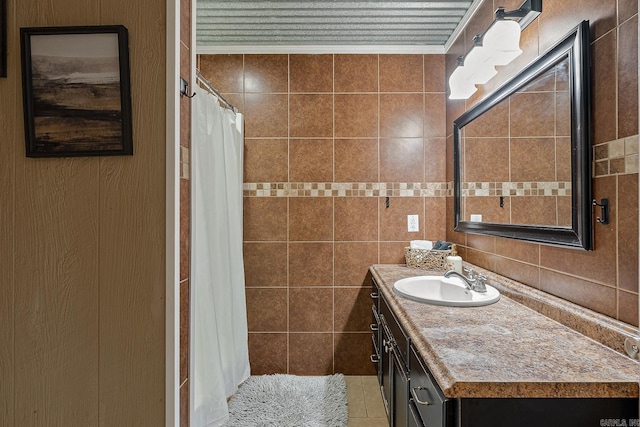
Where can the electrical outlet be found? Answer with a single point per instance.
(412, 223)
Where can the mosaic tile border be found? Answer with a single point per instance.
(616, 157)
(484, 189)
(348, 189)
(611, 158)
(185, 157)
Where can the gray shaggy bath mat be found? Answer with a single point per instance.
(290, 401)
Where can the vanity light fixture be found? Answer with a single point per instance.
(498, 45)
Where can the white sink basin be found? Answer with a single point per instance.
(440, 290)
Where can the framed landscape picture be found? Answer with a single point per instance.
(75, 84)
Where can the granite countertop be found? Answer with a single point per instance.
(506, 349)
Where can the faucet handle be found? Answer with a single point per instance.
(479, 285)
(470, 274)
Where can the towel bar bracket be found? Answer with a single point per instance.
(604, 210)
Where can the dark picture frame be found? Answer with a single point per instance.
(3, 38)
(76, 91)
(576, 47)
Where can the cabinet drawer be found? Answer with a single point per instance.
(375, 294)
(376, 317)
(425, 393)
(398, 333)
(375, 335)
(375, 357)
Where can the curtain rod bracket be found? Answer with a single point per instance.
(184, 88)
(209, 87)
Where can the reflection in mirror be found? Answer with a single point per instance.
(522, 156)
(516, 166)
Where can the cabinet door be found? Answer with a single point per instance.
(376, 330)
(400, 338)
(375, 345)
(414, 417)
(432, 406)
(386, 367)
(400, 399)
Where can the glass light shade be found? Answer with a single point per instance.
(459, 84)
(480, 71)
(500, 46)
(502, 41)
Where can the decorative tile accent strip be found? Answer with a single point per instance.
(347, 189)
(480, 189)
(184, 162)
(616, 157)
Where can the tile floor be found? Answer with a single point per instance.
(364, 402)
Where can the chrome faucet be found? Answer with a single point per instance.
(473, 282)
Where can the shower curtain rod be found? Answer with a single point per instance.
(208, 86)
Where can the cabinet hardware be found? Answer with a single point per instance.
(415, 397)
(374, 295)
(373, 327)
(388, 346)
(374, 358)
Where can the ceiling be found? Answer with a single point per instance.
(357, 23)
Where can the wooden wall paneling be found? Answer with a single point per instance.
(56, 288)
(7, 259)
(132, 261)
(8, 148)
(45, 13)
(55, 271)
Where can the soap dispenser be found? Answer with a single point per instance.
(454, 262)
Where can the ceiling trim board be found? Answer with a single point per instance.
(463, 23)
(320, 49)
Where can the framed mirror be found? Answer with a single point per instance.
(522, 156)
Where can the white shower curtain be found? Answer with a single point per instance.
(220, 359)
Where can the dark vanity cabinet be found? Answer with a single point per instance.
(395, 367)
(393, 371)
(410, 395)
(427, 401)
(412, 398)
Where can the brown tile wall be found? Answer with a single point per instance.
(185, 208)
(327, 138)
(605, 279)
